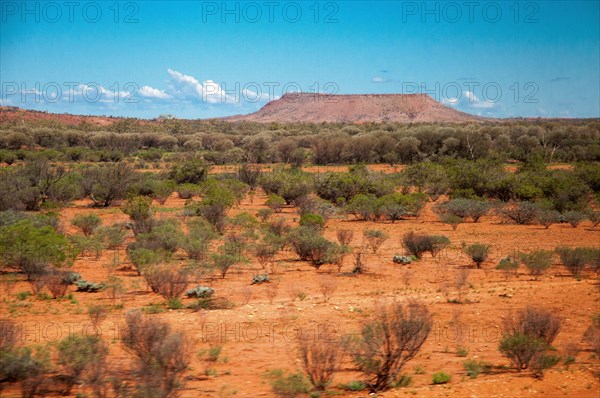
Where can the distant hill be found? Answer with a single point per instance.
(357, 108)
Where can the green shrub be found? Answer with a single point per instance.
(287, 385)
(478, 253)
(521, 212)
(141, 212)
(527, 338)
(574, 218)
(275, 203)
(537, 262)
(355, 385)
(78, 354)
(418, 244)
(509, 266)
(574, 259)
(26, 365)
(87, 223)
(475, 367)
(362, 207)
(441, 378)
(312, 247)
(191, 171)
(312, 221)
(31, 249)
(452, 220)
(187, 191)
(375, 238)
(547, 217)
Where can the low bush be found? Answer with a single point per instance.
(441, 378)
(418, 244)
(287, 385)
(88, 287)
(537, 262)
(200, 292)
(320, 356)
(162, 355)
(375, 238)
(314, 221)
(312, 247)
(574, 259)
(275, 203)
(344, 236)
(87, 223)
(574, 218)
(509, 266)
(478, 253)
(166, 281)
(592, 334)
(475, 367)
(520, 212)
(385, 344)
(452, 220)
(82, 354)
(547, 217)
(527, 338)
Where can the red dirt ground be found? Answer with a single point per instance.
(259, 336)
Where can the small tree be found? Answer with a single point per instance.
(312, 247)
(418, 244)
(520, 212)
(385, 344)
(547, 217)
(452, 220)
(574, 218)
(537, 262)
(87, 223)
(320, 357)
(478, 253)
(375, 238)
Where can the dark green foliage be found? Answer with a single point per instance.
(286, 385)
(191, 171)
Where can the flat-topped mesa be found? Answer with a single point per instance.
(334, 108)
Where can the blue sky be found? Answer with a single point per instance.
(198, 59)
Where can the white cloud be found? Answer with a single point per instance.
(475, 102)
(377, 79)
(183, 86)
(150, 92)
